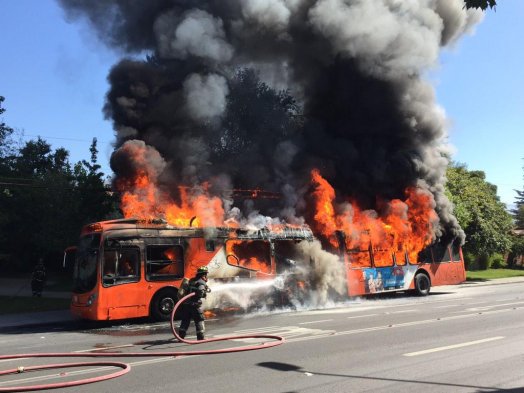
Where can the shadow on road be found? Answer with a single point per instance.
(286, 367)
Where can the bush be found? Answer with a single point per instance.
(496, 261)
(470, 261)
(483, 262)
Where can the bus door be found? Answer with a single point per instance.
(458, 261)
(121, 294)
(384, 277)
(358, 268)
(444, 271)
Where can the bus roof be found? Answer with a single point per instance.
(276, 232)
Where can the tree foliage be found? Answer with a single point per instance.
(518, 211)
(483, 217)
(5, 132)
(482, 4)
(44, 202)
(255, 112)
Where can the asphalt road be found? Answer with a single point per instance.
(458, 339)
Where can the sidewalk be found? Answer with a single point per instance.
(15, 287)
(21, 287)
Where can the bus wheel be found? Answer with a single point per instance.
(162, 305)
(422, 284)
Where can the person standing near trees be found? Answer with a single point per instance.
(38, 278)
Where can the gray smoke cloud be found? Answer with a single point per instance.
(369, 120)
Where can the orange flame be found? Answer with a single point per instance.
(404, 226)
(143, 199)
(254, 255)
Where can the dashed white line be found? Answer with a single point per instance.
(447, 347)
(320, 321)
(362, 316)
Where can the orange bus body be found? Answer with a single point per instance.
(373, 271)
(133, 268)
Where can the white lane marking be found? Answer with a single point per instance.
(362, 316)
(322, 320)
(384, 327)
(367, 306)
(12, 360)
(447, 347)
(472, 309)
(104, 348)
(399, 312)
(257, 330)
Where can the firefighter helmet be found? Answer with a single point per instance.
(202, 270)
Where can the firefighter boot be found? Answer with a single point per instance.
(200, 336)
(182, 333)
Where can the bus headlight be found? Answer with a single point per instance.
(91, 299)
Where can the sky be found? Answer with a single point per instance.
(53, 75)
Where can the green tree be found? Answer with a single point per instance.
(38, 204)
(44, 202)
(96, 201)
(479, 211)
(255, 112)
(5, 133)
(518, 211)
(482, 4)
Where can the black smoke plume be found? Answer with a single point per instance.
(353, 100)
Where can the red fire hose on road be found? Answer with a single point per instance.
(125, 368)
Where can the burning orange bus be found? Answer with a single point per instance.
(372, 269)
(131, 268)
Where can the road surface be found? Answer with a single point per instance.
(458, 339)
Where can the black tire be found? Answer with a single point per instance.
(422, 284)
(162, 305)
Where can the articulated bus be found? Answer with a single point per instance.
(132, 268)
(372, 270)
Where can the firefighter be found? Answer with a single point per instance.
(38, 278)
(192, 307)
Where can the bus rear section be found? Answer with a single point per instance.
(371, 270)
(131, 268)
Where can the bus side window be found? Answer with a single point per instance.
(121, 265)
(164, 262)
(455, 251)
(400, 257)
(109, 267)
(382, 258)
(424, 256)
(210, 245)
(253, 255)
(359, 258)
(128, 264)
(441, 253)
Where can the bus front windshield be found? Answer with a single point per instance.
(84, 272)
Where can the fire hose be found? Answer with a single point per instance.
(125, 368)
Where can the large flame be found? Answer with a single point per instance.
(143, 199)
(402, 226)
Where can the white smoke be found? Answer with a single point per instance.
(205, 95)
(316, 278)
(198, 34)
(271, 14)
